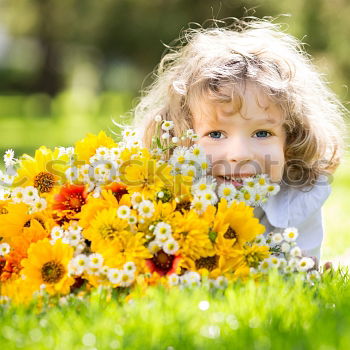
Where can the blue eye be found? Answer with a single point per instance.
(262, 133)
(215, 134)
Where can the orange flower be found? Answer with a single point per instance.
(69, 200)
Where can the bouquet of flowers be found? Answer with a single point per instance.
(118, 215)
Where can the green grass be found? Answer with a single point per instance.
(336, 215)
(276, 315)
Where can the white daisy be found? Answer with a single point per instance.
(129, 267)
(9, 158)
(72, 174)
(209, 196)
(123, 212)
(74, 238)
(17, 194)
(285, 247)
(305, 264)
(175, 139)
(4, 249)
(203, 184)
(165, 136)
(265, 265)
(114, 275)
(189, 132)
(154, 246)
(296, 252)
(221, 282)
(277, 238)
(132, 220)
(272, 189)
(173, 279)
(199, 204)
(313, 276)
(162, 229)
(290, 234)
(227, 191)
(57, 232)
(95, 260)
(136, 199)
(126, 279)
(249, 182)
(30, 194)
(171, 246)
(146, 208)
(167, 125)
(158, 118)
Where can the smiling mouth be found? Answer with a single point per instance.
(236, 180)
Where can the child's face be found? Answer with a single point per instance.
(242, 146)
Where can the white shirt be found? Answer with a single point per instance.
(293, 207)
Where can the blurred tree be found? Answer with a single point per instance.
(103, 39)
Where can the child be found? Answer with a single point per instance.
(258, 105)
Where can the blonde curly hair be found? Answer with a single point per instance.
(250, 50)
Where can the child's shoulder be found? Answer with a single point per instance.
(292, 205)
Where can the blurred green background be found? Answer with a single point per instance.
(68, 67)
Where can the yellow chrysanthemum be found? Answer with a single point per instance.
(17, 219)
(45, 171)
(126, 247)
(144, 175)
(192, 234)
(18, 290)
(95, 205)
(106, 227)
(86, 147)
(47, 264)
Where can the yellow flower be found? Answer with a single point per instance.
(14, 223)
(45, 171)
(18, 290)
(47, 264)
(144, 175)
(192, 234)
(106, 226)
(86, 147)
(242, 225)
(95, 205)
(126, 247)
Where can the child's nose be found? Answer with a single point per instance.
(239, 150)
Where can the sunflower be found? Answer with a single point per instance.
(14, 223)
(45, 171)
(87, 147)
(242, 225)
(47, 264)
(192, 234)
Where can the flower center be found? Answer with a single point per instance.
(209, 263)
(44, 182)
(163, 261)
(183, 206)
(74, 202)
(52, 272)
(253, 259)
(230, 233)
(3, 211)
(108, 232)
